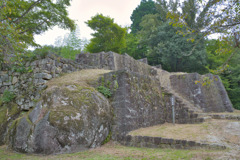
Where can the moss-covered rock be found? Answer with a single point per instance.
(8, 112)
(67, 118)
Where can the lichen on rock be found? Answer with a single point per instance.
(67, 118)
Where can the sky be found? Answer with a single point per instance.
(83, 10)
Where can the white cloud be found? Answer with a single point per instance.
(83, 10)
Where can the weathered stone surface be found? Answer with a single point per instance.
(159, 142)
(138, 101)
(63, 121)
(7, 114)
(113, 61)
(76, 117)
(5, 77)
(46, 76)
(15, 80)
(205, 91)
(22, 131)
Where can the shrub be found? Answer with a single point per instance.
(105, 91)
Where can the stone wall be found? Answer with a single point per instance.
(196, 97)
(114, 61)
(205, 91)
(28, 86)
(138, 101)
(159, 142)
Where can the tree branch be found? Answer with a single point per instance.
(27, 11)
(230, 25)
(223, 67)
(33, 28)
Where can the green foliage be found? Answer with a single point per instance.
(133, 46)
(108, 138)
(208, 21)
(231, 80)
(105, 91)
(21, 20)
(66, 48)
(230, 74)
(158, 41)
(20, 68)
(115, 87)
(7, 96)
(18, 63)
(43, 51)
(169, 49)
(108, 36)
(70, 45)
(214, 59)
(145, 7)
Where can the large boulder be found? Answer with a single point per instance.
(66, 119)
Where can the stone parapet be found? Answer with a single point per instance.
(114, 61)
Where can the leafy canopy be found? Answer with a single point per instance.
(167, 48)
(20, 20)
(213, 16)
(145, 7)
(108, 36)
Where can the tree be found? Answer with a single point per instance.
(134, 47)
(21, 20)
(168, 48)
(165, 47)
(215, 16)
(108, 36)
(70, 45)
(230, 76)
(145, 7)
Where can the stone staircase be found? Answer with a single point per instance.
(164, 78)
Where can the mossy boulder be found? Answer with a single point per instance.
(8, 112)
(67, 118)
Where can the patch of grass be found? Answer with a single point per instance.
(113, 151)
(82, 78)
(7, 96)
(178, 131)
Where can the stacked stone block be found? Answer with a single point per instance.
(28, 86)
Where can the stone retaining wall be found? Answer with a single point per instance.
(205, 91)
(138, 101)
(159, 142)
(114, 61)
(28, 86)
(230, 117)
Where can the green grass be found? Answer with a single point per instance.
(112, 152)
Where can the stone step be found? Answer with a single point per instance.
(159, 142)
